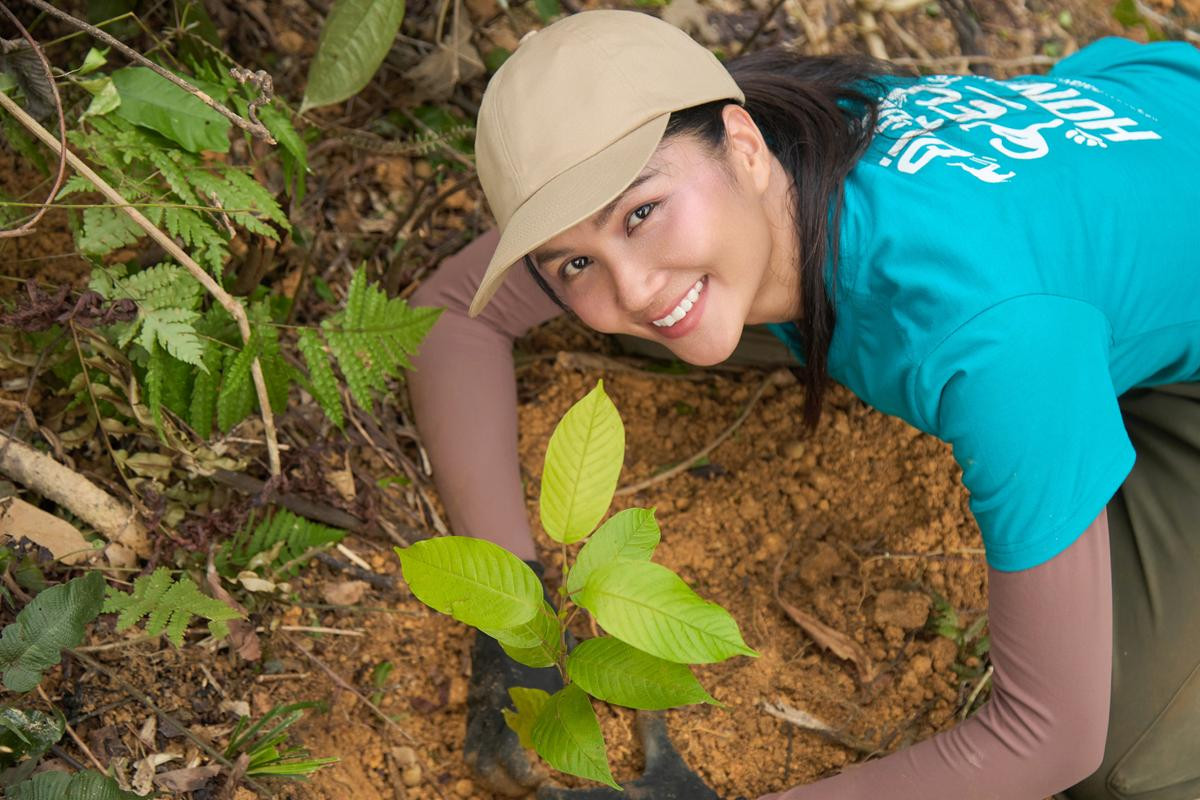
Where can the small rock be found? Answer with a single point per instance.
(823, 564)
(907, 610)
(405, 756)
(464, 788)
(793, 450)
(921, 666)
(943, 651)
(411, 775)
(457, 696)
(290, 42)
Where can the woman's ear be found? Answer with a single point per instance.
(747, 151)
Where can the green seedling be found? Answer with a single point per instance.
(656, 624)
(971, 664)
(265, 744)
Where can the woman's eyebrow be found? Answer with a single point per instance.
(601, 219)
(598, 221)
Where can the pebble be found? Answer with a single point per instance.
(793, 450)
(411, 775)
(405, 756)
(464, 788)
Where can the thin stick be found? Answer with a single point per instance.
(1166, 22)
(983, 681)
(322, 629)
(145, 700)
(86, 750)
(62, 129)
(256, 129)
(763, 22)
(226, 300)
(686, 464)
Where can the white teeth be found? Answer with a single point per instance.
(685, 305)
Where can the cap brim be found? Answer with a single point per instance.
(567, 199)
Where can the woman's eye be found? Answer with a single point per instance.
(640, 213)
(573, 267)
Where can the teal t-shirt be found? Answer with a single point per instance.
(1015, 255)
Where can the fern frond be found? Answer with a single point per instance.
(235, 192)
(203, 404)
(168, 605)
(277, 540)
(322, 382)
(167, 162)
(373, 337)
(278, 374)
(173, 329)
(106, 229)
(75, 184)
(164, 285)
(155, 369)
(236, 397)
(209, 246)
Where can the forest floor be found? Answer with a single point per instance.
(862, 525)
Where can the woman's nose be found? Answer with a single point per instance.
(635, 285)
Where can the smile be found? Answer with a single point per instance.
(685, 305)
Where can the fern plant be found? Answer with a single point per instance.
(168, 605)
(275, 542)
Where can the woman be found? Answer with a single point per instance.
(994, 262)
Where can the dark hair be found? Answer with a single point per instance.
(817, 114)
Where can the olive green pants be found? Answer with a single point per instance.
(1153, 746)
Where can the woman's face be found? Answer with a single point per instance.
(691, 252)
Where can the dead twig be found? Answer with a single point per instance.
(984, 680)
(255, 128)
(41, 473)
(227, 301)
(62, 129)
(776, 378)
(1163, 21)
(806, 721)
(763, 22)
(74, 736)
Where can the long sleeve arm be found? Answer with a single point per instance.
(464, 395)
(1045, 725)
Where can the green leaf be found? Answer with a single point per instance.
(568, 736)
(169, 606)
(204, 391)
(650, 607)
(51, 622)
(528, 704)
(354, 41)
(547, 9)
(472, 580)
(583, 462)
(286, 536)
(610, 670)
(236, 398)
(373, 337)
(1126, 13)
(537, 643)
(155, 368)
(151, 100)
(94, 60)
(629, 535)
(105, 97)
(323, 383)
(54, 785)
(27, 734)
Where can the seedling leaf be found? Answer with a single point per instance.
(650, 607)
(151, 100)
(567, 734)
(472, 580)
(629, 535)
(536, 643)
(583, 462)
(52, 621)
(610, 670)
(528, 704)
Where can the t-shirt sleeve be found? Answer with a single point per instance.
(1023, 393)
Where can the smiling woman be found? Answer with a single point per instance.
(1013, 270)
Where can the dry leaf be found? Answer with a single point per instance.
(832, 640)
(187, 780)
(691, 17)
(143, 775)
(239, 708)
(344, 593)
(343, 479)
(253, 583)
(148, 730)
(242, 637)
(435, 77)
(802, 719)
(21, 520)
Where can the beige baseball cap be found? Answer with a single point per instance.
(572, 117)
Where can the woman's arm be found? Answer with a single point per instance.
(464, 395)
(1044, 727)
